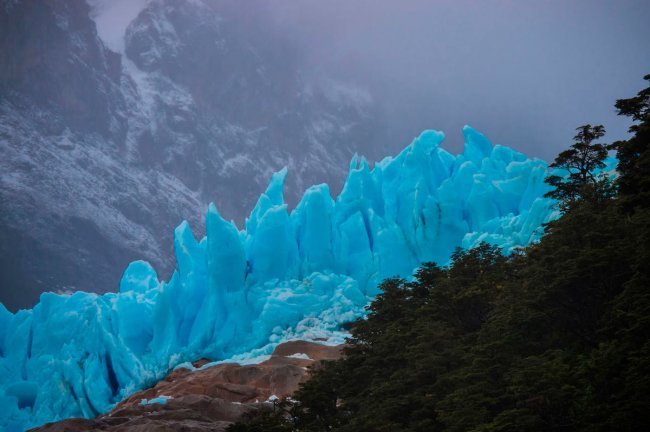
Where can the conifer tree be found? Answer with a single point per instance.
(634, 154)
(581, 163)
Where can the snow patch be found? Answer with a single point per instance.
(302, 356)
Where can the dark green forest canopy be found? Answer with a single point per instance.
(554, 338)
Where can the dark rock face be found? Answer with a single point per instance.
(208, 399)
(51, 59)
(187, 413)
(104, 153)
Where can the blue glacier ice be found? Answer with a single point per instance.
(162, 400)
(236, 293)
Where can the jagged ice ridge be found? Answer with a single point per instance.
(299, 274)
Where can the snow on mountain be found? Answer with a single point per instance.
(120, 118)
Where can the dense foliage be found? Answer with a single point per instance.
(552, 339)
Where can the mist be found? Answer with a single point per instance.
(524, 73)
(210, 97)
(180, 181)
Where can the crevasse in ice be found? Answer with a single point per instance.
(299, 274)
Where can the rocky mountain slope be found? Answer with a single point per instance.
(103, 150)
(211, 397)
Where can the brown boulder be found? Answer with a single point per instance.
(208, 399)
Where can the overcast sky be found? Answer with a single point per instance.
(524, 72)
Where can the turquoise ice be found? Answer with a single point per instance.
(287, 274)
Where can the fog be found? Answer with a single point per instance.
(525, 73)
(112, 18)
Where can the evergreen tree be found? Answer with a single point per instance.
(555, 338)
(581, 163)
(633, 155)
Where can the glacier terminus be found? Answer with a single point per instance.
(300, 274)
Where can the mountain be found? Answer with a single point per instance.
(300, 274)
(107, 142)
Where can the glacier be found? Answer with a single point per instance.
(236, 293)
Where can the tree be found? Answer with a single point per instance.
(581, 162)
(552, 339)
(275, 417)
(634, 154)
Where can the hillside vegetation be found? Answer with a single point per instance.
(554, 338)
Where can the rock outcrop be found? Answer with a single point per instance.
(210, 397)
